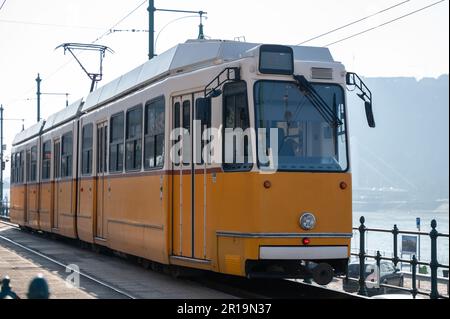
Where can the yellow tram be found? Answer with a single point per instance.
(268, 195)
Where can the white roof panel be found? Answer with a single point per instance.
(188, 56)
(63, 116)
(29, 133)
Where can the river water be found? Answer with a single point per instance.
(405, 220)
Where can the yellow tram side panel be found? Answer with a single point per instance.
(241, 204)
(203, 239)
(17, 212)
(135, 215)
(204, 221)
(32, 205)
(64, 207)
(46, 206)
(86, 206)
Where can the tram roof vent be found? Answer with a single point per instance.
(322, 73)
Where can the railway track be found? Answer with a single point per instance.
(235, 287)
(62, 264)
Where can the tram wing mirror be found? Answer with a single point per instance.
(364, 94)
(369, 114)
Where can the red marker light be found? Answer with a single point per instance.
(306, 241)
(267, 184)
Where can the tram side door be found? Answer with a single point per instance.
(56, 177)
(202, 122)
(101, 147)
(182, 182)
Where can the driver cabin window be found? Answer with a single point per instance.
(237, 141)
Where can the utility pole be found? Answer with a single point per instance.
(151, 29)
(151, 25)
(38, 95)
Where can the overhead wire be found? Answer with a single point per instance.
(1, 7)
(49, 24)
(107, 32)
(355, 22)
(385, 23)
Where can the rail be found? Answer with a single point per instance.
(414, 262)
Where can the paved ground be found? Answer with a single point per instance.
(21, 266)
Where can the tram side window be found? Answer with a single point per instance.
(186, 115)
(116, 143)
(21, 168)
(86, 154)
(154, 134)
(236, 118)
(133, 155)
(57, 160)
(203, 115)
(66, 155)
(33, 165)
(177, 125)
(28, 166)
(46, 158)
(12, 168)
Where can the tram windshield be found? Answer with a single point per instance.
(306, 140)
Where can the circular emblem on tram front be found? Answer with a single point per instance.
(307, 221)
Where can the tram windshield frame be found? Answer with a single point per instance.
(307, 142)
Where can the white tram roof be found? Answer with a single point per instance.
(185, 57)
(193, 54)
(63, 116)
(29, 133)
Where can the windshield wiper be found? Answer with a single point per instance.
(317, 101)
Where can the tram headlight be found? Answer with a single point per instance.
(308, 221)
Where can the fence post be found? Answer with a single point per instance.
(395, 232)
(378, 261)
(362, 256)
(414, 276)
(434, 262)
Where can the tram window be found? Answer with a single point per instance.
(187, 127)
(57, 160)
(28, 166)
(21, 169)
(177, 125)
(116, 143)
(66, 156)
(86, 155)
(46, 158)
(236, 117)
(12, 168)
(33, 165)
(203, 115)
(154, 134)
(133, 153)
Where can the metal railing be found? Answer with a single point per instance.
(433, 264)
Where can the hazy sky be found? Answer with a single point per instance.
(30, 30)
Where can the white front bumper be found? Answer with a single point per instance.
(303, 253)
